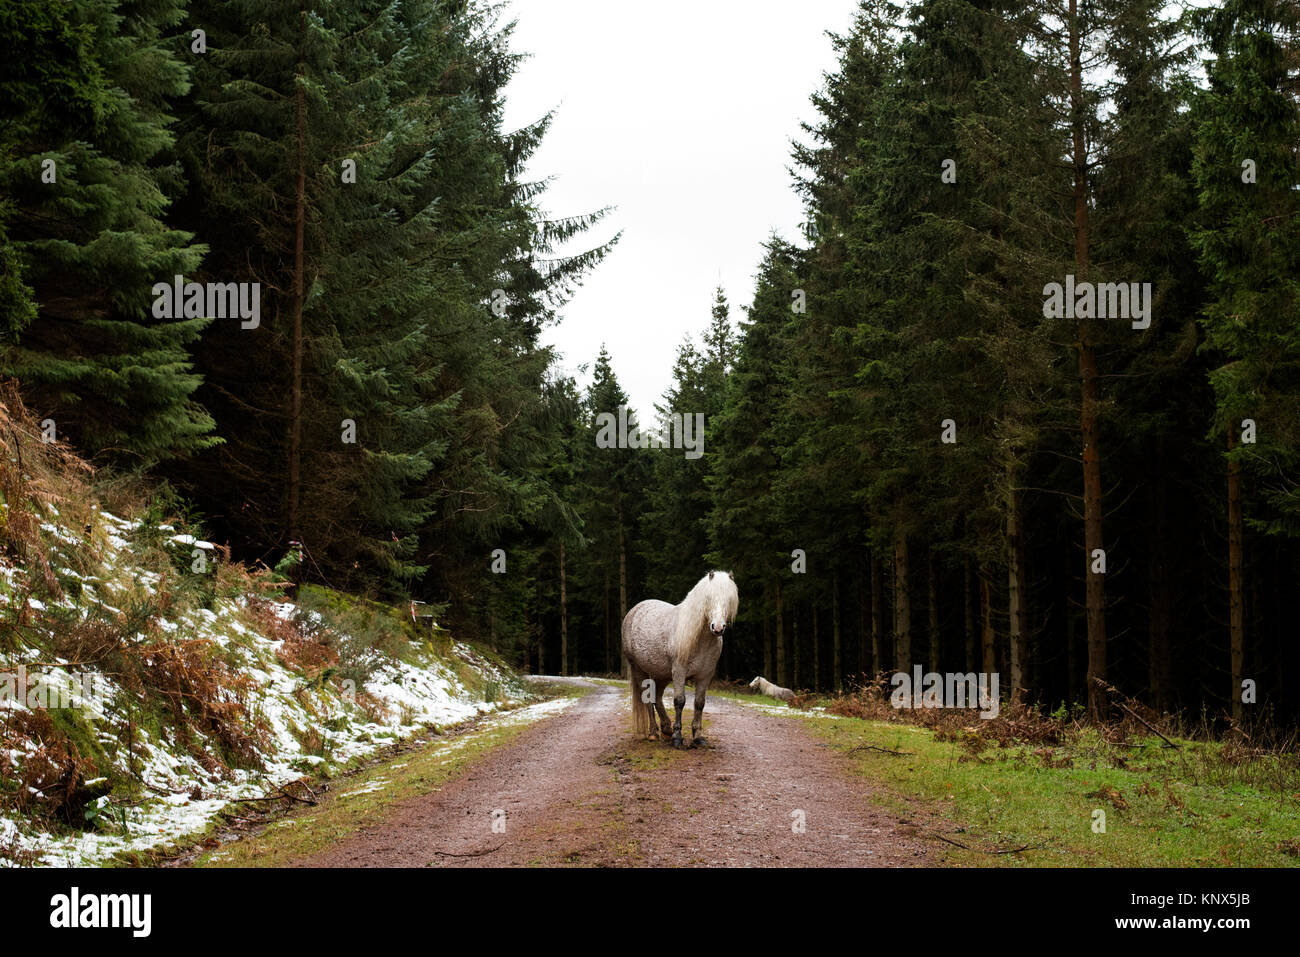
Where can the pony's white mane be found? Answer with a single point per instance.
(714, 593)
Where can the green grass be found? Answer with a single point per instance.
(1163, 808)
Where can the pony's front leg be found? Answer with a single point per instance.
(701, 691)
(679, 702)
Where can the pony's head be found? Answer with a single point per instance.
(754, 684)
(721, 600)
(706, 611)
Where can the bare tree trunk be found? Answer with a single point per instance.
(1074, 666)
(1159, 658)
(817, 656)
(902, 604)
(794, 640)
(1095, 591)
(932, 596)
(622, 579)
(877, 617)
(767, 643)
(564, 619)
(300, 221)
(838, 671)
(782, 678)
(988, 636)
(726, 660)
(972, 632)
(864, 615)
(1236, 602)
(1016, 588)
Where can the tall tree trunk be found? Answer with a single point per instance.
(1160, 654)
(877, 617)
(902, 604)
(609, 648)
(794, 641)
(972, 632)
(816, 650)
(838, 672)
(932, 597)
(1073, 664)
(767, 642)
(1095, 592)
(1236, 602)
(864, 615)
(781, 677)
(1016, 590)
(564, 619)
(622, 578)
(988, 635)
(300, 221)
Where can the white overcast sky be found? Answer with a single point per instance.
(681, 115)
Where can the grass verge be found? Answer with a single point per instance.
(1026, 805)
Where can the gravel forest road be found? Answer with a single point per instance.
(580, 789)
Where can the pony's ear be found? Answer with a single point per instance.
(731, 576)
(710, 576)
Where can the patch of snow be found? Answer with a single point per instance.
(307, 725)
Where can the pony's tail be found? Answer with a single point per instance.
(639, 713)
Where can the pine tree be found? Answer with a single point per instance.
(1245, 168)
(678, 505)
(745, 534)
(351, 158)
(615, 479)
(85, 234)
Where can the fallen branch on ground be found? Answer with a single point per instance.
(980, 850)
(281, 795)
(873, 747)
(1133, 714)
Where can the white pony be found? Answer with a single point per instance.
(763, 686)
(664, 642)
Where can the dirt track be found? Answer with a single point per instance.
(579, 788)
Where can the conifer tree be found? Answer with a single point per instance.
(85, 183)
(1246, 174)
(744, 531)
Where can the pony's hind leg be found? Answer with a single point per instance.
(679, 702)
(665, 723)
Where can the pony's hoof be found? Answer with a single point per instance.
(677, 741)
(699, 743)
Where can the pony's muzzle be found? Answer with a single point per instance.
(718, 629)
